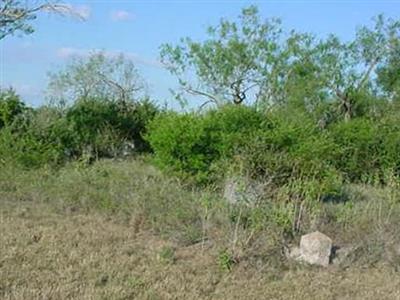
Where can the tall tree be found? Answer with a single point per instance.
(348, 69)
(251, 59)
(231, 64)
(257, 60)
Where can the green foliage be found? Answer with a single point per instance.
(292, 147)
(359, 140)
(190, 143)
(240, 60)
(10, 107)
(226, 261)
(91, 128)
(291, 153)
(103, 128)
(179, 142)
(92, 122)
(35, 138)
(256, 59)
(282, 216)
(389, 72)
(14, 17)
(368, 148)
(167, 255)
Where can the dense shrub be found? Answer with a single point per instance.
(103, 126)
(190, 143)
(289, 151)
(360, 143)
(34, 139)
(368, 148)
(10, 106)
(294, 154)
(91, 128)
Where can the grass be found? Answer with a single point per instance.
(122, 230)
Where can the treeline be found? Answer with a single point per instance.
(302, 113)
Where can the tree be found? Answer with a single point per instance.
(97, 76)
(251, 59)
(255, 59)
(389, 72)
(15, 16)
(348, 69)
(237, 62)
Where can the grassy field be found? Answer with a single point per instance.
(121, 230)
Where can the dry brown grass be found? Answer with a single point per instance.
(123, 230)
(50, 254)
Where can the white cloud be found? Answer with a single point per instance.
(121, 15)
(69, 52)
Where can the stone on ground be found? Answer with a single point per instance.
(315, 249)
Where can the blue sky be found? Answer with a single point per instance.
(138, 28)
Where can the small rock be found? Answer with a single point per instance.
(316, 248)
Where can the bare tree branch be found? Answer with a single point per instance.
(204, 104)
(125, 91)
(368, 73)
(200, 93)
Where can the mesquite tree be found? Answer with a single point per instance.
(256, 60)
(98, 75)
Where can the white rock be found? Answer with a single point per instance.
(315, 249)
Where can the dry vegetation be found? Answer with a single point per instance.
(134, 234)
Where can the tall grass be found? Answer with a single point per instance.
(135, 192)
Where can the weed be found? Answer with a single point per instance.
(167, 255)
(226, 260)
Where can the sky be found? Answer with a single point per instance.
(137, 28)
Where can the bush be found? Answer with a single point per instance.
(189, 144)
(291, 153)
(103, 127)
(289, 148)
(91, 128)
(36, 138)
(368, 148)
(10, 107)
